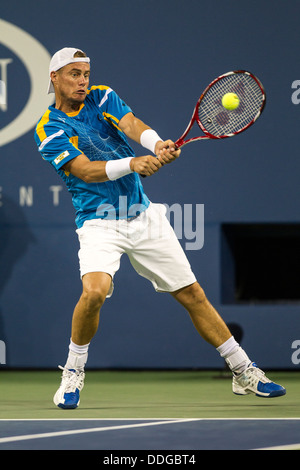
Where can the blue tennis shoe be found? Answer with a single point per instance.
(253, 380)
(68, 394)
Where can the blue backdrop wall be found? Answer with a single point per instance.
(158, 55)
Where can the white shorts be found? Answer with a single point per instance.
(149, 241)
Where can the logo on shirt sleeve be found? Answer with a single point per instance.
(61, 157)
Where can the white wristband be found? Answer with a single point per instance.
(117, 168)
(149, 139)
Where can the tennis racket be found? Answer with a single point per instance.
(214, 120)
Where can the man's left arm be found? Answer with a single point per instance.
(141, 133)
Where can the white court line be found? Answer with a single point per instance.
(149, 419)
(284, 447)
(26, 437)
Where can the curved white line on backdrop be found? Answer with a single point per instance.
(36, 60)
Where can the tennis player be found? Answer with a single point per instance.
(84, 137)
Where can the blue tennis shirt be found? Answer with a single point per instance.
(93, 131)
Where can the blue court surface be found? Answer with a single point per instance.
(176, 435)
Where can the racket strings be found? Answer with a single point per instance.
(218, 121)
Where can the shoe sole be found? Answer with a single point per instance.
(68, 407)
(274, 394)
(57, 402)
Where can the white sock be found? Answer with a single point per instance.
(229, 347)
(235, 357)
(77, 357)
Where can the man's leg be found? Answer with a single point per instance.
(247, 377)
(211, 326)
(95, 287)
(85, 322)
(205, 318)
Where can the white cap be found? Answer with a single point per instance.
(61, 58)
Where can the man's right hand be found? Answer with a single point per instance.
(146, 165)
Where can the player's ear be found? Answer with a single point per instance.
(53, 76)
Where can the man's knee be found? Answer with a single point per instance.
(95, 290)
(190, 295)
(93, 297)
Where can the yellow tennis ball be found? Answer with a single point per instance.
(230, 101)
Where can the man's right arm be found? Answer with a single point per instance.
(95, 171)
(84, 169)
